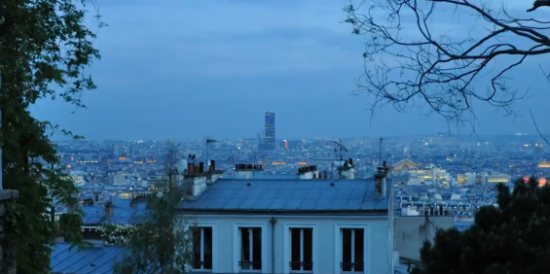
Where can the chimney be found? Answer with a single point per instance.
(109, 209)
(190, 168)
(351, 161)
(380, 183)
(386, 167)
(431, 210)
(246, 171)
(213, 165)
(201, 167)
(441, 210)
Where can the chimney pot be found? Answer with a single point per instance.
(109, 209)
(351, 161)
(213, 165)
(190, 168)
(201, 167)
(384, 164)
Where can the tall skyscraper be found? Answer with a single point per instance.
(270, 130)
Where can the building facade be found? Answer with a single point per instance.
(269, 142)
(292, 226)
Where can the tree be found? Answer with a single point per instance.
(511, 238)
(160, 244)
(408, 60)
(162, 240)
(44, 48)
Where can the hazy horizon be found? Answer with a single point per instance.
(166, 72)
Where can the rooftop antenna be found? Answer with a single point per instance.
(208, 142)
(381, 139)
(341, 147)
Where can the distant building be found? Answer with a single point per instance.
(544, 164)
(269, 131)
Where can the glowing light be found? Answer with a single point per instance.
(542, 182)
(525, 179)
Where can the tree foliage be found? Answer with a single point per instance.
(511, 238)
(445, 54)
(160, 244)
(44, 49)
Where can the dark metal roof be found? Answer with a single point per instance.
(123, 213)
(90, 260)
(289, 195)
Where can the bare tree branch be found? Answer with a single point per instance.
(409, 63)
(537, 128)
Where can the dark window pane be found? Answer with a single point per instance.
(207, 247)
(295, 239)
(245, 244)
(196, 248)
(346, 250)
(257, 248)
(308, 249)
(359, 250)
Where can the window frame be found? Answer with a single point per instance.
(338, 238)
(288, 246)
(214, 247)
(237, 244)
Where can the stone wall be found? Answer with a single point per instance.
(5, 252)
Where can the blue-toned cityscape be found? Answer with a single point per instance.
(411, 179)
(274, 137)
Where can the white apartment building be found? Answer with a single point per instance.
(293, 226)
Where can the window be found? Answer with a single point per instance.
(251, 248)
(301, 249)
(202, 248)
(353, 246)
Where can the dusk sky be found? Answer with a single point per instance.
(195, 68)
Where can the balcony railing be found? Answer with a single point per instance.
(352, 266)
(301, 266)
(250, 265)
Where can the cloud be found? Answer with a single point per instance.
(222, 37)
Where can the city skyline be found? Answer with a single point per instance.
(155, 79)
